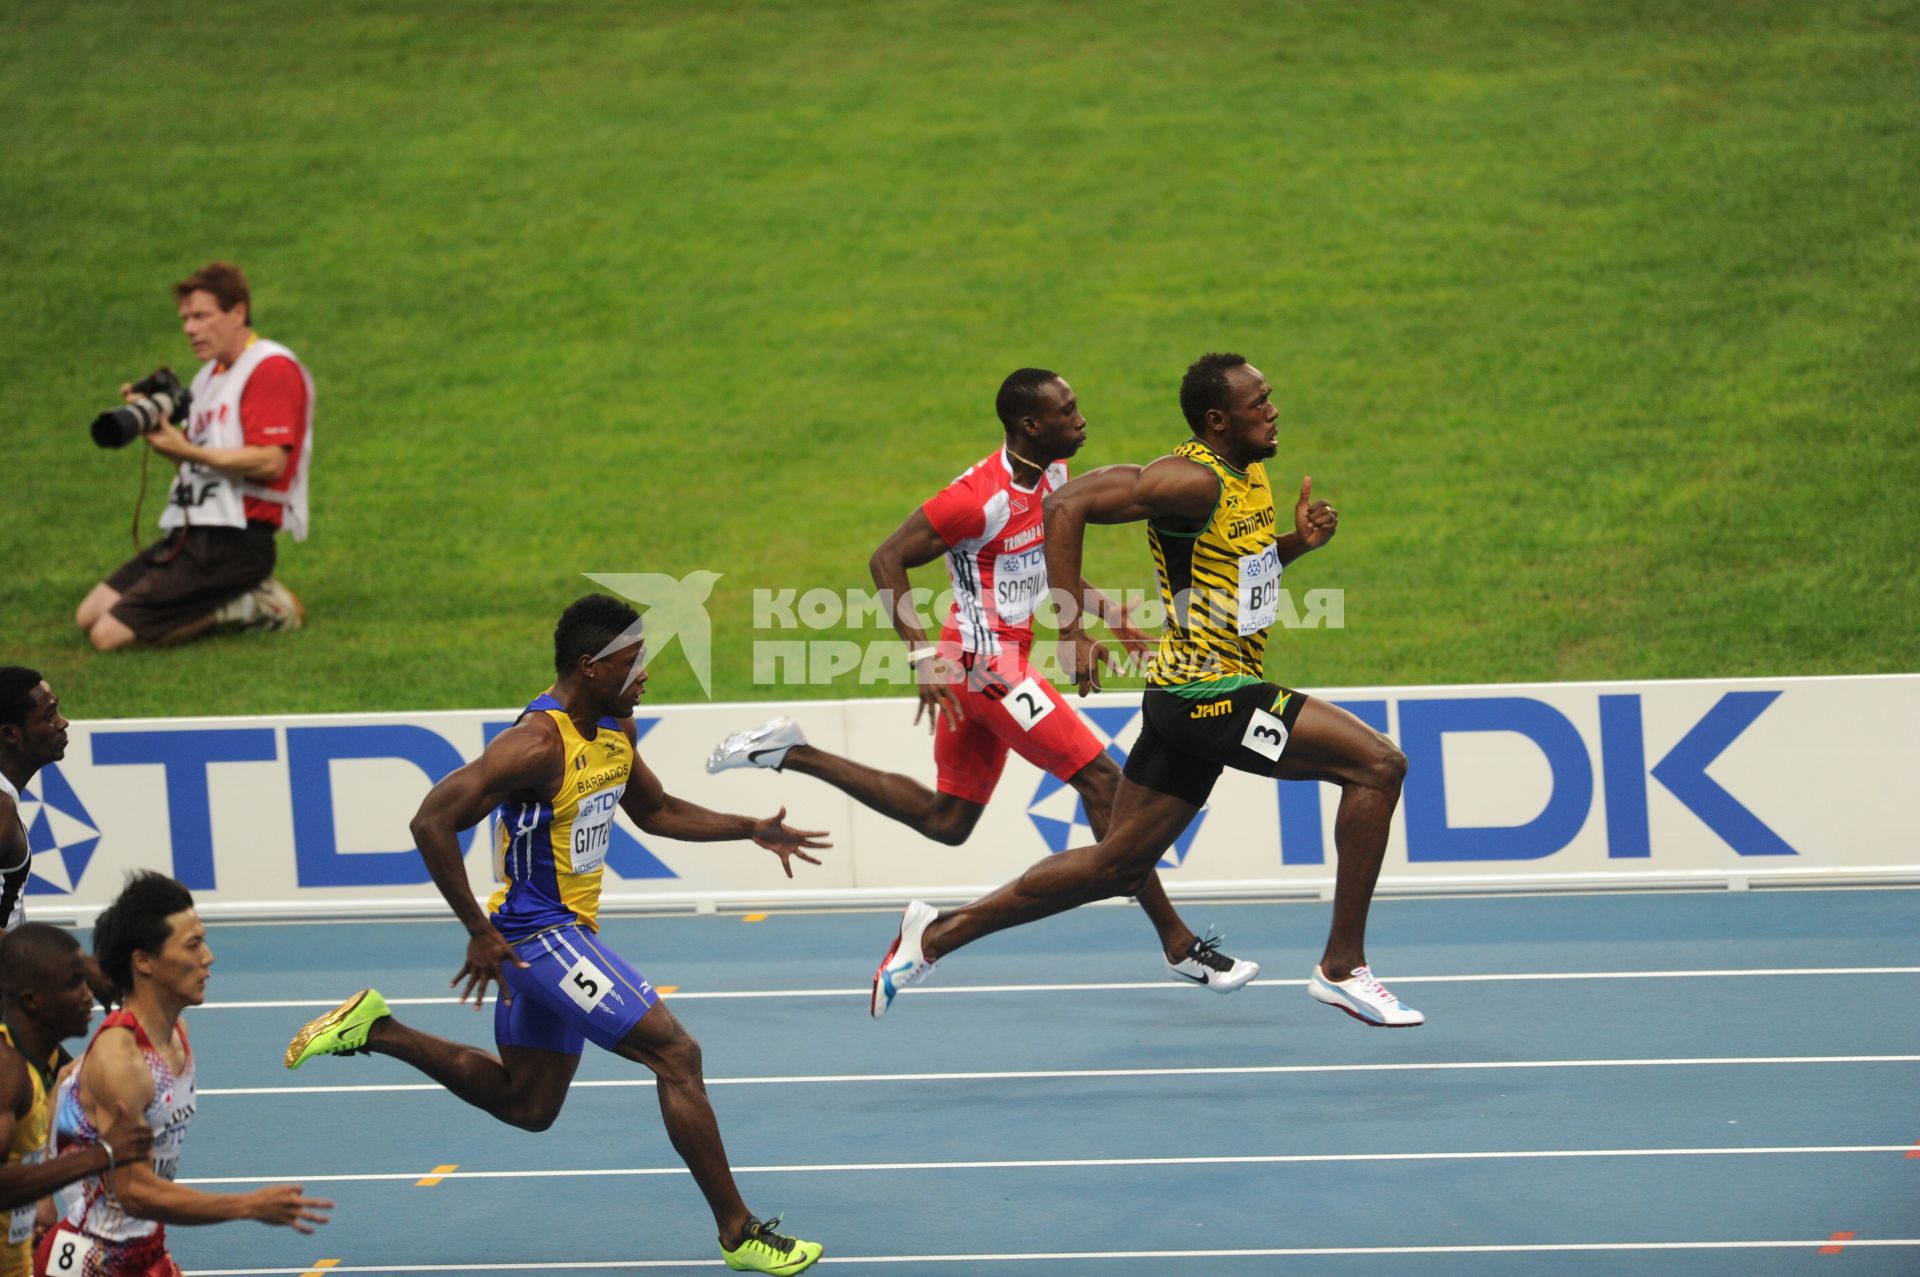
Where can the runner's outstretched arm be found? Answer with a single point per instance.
(656, 811)
(117, 1082)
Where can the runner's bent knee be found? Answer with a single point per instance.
(1386, 767)
(951, 820)
(1097, 781)
(678, 1059)
(532, 1114)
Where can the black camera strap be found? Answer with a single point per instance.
(179, 542)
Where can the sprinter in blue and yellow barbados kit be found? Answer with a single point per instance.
(556, 779)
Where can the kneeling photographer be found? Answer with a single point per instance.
(241, 436)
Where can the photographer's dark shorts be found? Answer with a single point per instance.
(1184, 744)
(161, 590)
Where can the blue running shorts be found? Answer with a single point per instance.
(573, 989)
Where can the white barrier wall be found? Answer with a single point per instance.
(1549, 785)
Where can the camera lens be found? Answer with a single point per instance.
(120, 427)
(161, 399)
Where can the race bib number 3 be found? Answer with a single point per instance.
(68, 1258)
(1028, 703)
(586, 984)
(1266, 735)
(1259, 598)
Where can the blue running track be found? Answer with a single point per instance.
(1712, 1083)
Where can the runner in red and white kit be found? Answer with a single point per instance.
(149, 940)
(977, 690)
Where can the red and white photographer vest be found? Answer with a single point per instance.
(203, 497)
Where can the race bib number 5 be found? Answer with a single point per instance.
(586, 984)
(68, 1258)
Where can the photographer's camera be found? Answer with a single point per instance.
(161, 399)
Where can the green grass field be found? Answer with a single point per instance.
(1600, 322)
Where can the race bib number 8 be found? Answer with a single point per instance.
(1266, 735)
(68, 1258)
(1259, 600)
(586, 984)
(1028, 703)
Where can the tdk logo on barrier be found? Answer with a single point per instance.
(1682, 771)
(63, 836)
(186, 755)
(1059, 817)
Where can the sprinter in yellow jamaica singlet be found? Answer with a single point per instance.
(1219, 549)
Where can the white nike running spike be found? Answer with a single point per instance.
(762, 746)
(1204, 964)
(1365, 999)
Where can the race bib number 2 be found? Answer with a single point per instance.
(68, 1257)
(1028, 703)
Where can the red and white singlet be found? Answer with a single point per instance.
(997, 556)
(106, 1237)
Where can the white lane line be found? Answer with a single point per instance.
(804, 1079)
(1069, 1163)
(1151, 985)
(1084, 1256)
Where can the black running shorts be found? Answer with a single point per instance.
(1184, 744)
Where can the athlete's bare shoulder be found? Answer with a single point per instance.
(116, 1070)
(1178, 489)
(526, 758)
(1177, 469)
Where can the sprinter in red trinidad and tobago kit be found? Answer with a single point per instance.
(977, 690)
